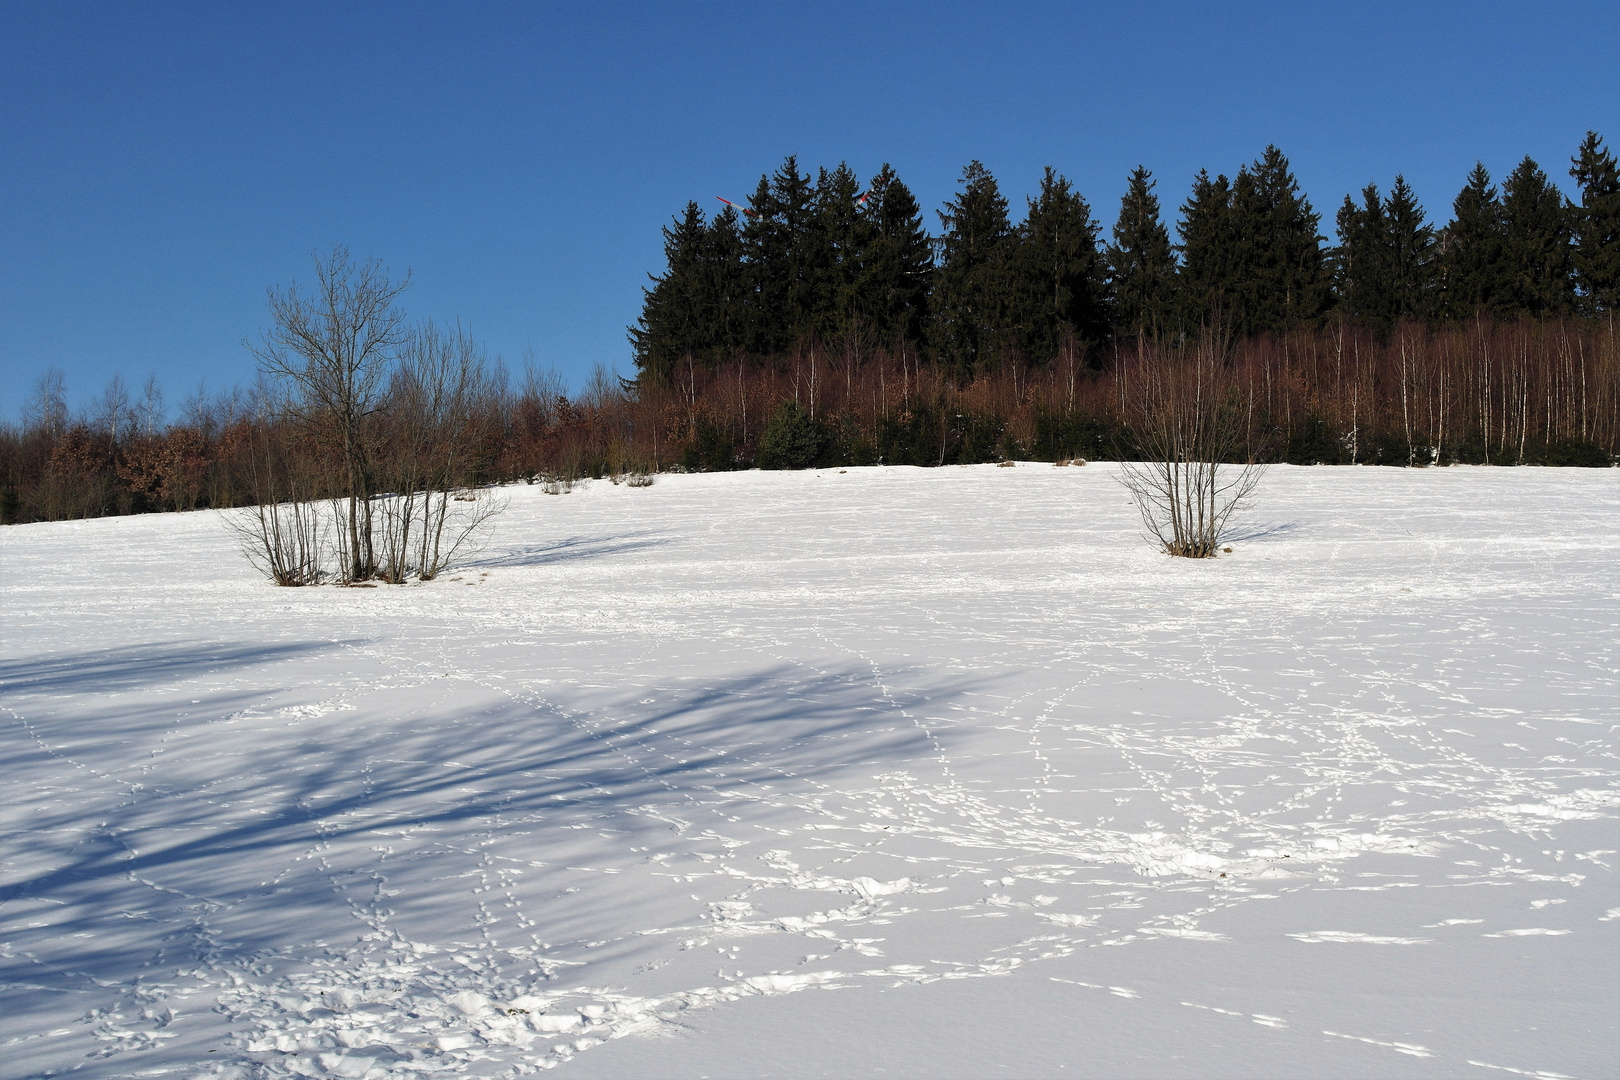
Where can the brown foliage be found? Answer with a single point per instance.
(1500, 393)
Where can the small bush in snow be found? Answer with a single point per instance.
(1189, 427)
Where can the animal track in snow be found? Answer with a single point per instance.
(1351, 937)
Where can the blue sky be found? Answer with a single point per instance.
(162, 164)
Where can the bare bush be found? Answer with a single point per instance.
(1195, 470)
(561, 484)
(333, 348)
(441, 412)
(285, 533)
(393, 423)
(285, 541)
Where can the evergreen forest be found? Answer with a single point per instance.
(827, 262)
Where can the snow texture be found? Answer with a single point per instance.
(932, 773)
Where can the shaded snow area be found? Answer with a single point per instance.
(923, 773)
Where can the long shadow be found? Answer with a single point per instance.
(134, 666)
(777, 726)
(571, 549)
(1264, 531)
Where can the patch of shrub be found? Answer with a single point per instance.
(792, 440)
(709, 449)
(1315, 442)
(1575, 453)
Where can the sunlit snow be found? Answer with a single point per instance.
(887, 771)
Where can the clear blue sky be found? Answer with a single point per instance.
(162, 164)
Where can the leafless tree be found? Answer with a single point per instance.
(149, 411)
(285, 533)
(1195, 471)
(113, 411)
(538, 395)
(442, 405)
(603, 389)
(47, 410)
(334, 348)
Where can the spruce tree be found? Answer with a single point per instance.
(1207, 253)
(792, 440)
(1385, 260)
(723, 289)
(1472, 264)
(775, 242)
(1363, 264)
(971, 283)
(1412, 253)
(1141, 262)
(836, 244)
(671, 325)
(1597, 226)
(1058, 279)
(1279, 278)
(793, 199)
(897, 265)
(1536, 242)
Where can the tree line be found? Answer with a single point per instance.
(810, 262)
(828, 331)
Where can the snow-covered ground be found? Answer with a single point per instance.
(928, 773)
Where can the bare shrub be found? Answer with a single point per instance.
(285, 533)
(440, 413)
(1195, 470)
(640, 480)
(333, 348)
(561, 483)
(393, 426)
(455, 527)
(285, 541)
(422, 533)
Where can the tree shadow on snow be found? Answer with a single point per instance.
(571, 549)
(442, 772)
(135, 666)
(1263, 531)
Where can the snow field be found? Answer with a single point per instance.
(954, 748)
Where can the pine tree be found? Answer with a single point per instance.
(1279, 278)
(1412, 253)
(1141, 262)
(1536, 242)
(898, 263)
(1597, 226)
(775, 243)
(1363, 266)
(1384, 263)
(792, 440)
(723, 289)
(671, 326)
(1472, 260)
(1058, 278)
(836, 246)
(1207, 252)
(971, 283)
